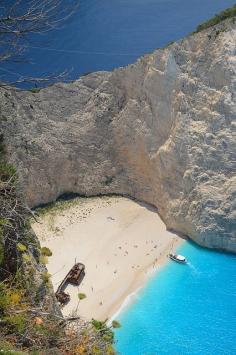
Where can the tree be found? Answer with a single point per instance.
(81, 296)
(104, 330)
(22, 20)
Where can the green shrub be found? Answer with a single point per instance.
(105, 332)
(3, 222)
(4, 300)
(14, 305)
(81, 296)
(1, 253)
(228, 13)
(26, 258)
(115, 324)
(17, 321)
(34, 90)
(6, 348)
(21, 247)
(46, 277)
(43, 259)
(10, 296)
(6, 171)
(46, 251)
(1, 245)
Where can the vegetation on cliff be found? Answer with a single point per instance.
(30, 320)
(223, 15)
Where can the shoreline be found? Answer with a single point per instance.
(151, 272)
(120, 241)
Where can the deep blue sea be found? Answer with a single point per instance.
(105, 34)
(184, 309)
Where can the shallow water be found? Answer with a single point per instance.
(105, 34)
(185, 309)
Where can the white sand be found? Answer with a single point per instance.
(119, 241)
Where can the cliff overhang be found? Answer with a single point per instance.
(161, 130)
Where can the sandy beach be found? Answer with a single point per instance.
(120, 241)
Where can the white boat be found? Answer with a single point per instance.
(178, 258)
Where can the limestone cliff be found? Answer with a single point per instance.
(161, 130)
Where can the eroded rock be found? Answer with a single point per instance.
(162, 130)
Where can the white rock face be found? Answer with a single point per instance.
(162, 130)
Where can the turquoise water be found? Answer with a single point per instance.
(105, 34)
(185, 309)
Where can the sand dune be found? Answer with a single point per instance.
(120, 242)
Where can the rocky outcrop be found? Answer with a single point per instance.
(161, 130)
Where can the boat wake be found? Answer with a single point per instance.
(195, 270)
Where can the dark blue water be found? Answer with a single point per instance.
(105, 34)
(185, 309)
